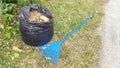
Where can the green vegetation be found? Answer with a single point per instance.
(80, 51)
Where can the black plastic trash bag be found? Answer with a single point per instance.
(35, 33)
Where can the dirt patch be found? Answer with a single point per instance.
(35, 64)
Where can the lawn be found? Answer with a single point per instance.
(79, 51)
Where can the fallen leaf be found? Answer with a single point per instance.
(44, 18)
(27, 49)
(15, 48)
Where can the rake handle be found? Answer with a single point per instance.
(76, 29)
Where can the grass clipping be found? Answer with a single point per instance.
(37, 17)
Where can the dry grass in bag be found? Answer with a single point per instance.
(35, 16)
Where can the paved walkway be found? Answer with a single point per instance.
(110, 53)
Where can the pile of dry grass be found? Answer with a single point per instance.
(36, 16)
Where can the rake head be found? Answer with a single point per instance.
(51, 51)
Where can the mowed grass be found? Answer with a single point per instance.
(79, 51)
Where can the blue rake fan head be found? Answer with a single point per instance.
(51, 51)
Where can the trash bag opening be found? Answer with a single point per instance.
(36, 16)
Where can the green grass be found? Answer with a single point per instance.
(0, 9)
(80, 51)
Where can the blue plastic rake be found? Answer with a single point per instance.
(52, 51)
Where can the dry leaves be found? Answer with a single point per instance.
(35, 16)
(15, 48)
